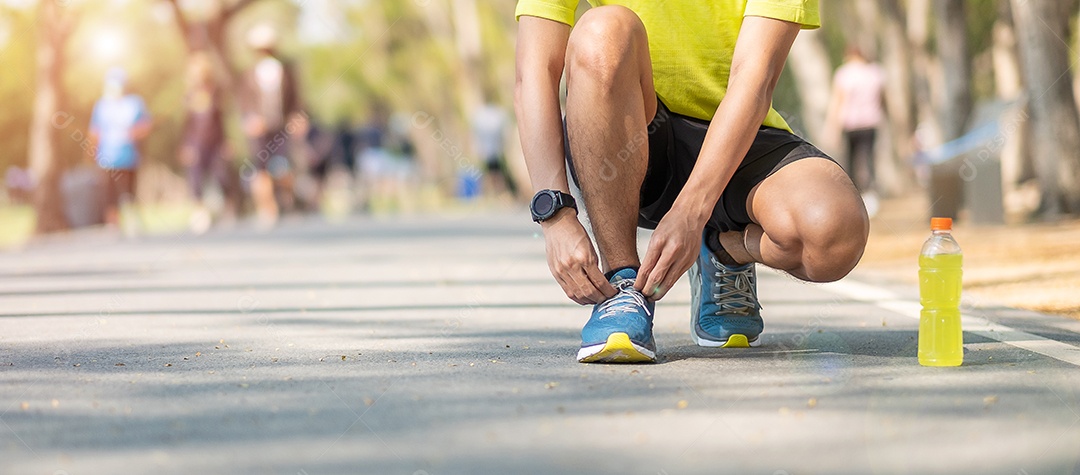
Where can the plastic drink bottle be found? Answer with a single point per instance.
(941, 342)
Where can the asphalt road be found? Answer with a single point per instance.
(432, 346)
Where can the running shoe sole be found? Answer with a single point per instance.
(737, 340)
(617, 349)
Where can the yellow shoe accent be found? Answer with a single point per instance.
(619, 349)
(737, 341)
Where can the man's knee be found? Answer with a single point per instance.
(833, 238)
(604, 43)
(824, 238)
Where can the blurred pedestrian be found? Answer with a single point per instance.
(269, 102)
(856, 110)
(313, 155)
(489, 132)
(344, 152)
(202, 151)
(373, 162)
(119, 121)
(337, 193)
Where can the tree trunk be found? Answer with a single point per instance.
(45, 165)
(1040, 24)
(1076, 77)
(1007, 81)
(467, 39)
(926, 77)
(1016, 165)
(809, 61)
(868, 33)
(209, 34)
(896, 58)
(952, 46)
(954, 102)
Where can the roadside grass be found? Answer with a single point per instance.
(17, 221)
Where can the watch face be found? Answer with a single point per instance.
(543, 204)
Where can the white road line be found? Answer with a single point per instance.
(976, 325)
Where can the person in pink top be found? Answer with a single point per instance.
(856, 109)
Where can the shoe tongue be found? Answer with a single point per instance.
(624, 274)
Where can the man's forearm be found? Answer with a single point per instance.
(540, 127)
(540, 55)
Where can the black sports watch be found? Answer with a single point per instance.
(548, 202)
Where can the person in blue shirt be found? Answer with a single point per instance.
(118, 122)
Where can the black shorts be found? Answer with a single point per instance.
(674, 144)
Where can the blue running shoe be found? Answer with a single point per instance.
(620, 329)
(724, 308)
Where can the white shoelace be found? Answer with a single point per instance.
(736, 293)
(627, 300)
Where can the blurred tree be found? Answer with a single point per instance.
(467, 38)
(954, 54)
(56, 22)
(1041, 26)
(1015, 153)
(812, 69)
(896, 58)
(16, 91)
(954, 103)
(209, 33)
(926, 76)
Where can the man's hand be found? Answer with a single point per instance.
(573, 261)
(672, 250)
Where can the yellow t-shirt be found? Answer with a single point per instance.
(691, 43)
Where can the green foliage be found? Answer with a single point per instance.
(18, 225)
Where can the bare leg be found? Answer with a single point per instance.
(262, 192)
(610, 101)
(810, 219)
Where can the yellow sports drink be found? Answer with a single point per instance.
(941, 342)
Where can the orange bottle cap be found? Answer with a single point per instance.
(940, 224)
